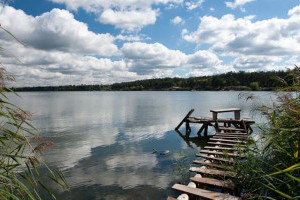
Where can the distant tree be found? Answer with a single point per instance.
(254, 86)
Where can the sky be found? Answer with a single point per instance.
(74, 42)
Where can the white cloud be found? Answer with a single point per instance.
(56, 30)
(191, 5)
(255, 62)
(177, 20)
(294, 11)
(129, 20)
(237, 3)
(230, 36)
(128, 15)
(149, 58)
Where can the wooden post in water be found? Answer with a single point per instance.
(184, 119)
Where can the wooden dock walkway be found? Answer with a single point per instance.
(216, 157)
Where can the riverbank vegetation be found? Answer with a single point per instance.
(21, 176)
(271, 169)
(229, 81)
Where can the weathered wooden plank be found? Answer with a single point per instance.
(226, 140)
(214, 182)
(230, 137)
(221, 148)
(225, 144)
(225, 110)
(223, 128)
(184, 119)
(215, 159)
(221, 153)
(199, 162)
(214, 172)
(242, 137)
(204, 193)
(231, 134)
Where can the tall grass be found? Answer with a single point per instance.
(271, 169)
(20, 150)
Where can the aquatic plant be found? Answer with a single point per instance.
(271, 169)
(20, 150)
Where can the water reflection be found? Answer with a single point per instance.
(104, 140)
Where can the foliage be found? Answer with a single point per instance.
(20, 151)
(254, 86)
(271, 169)
(229, 81)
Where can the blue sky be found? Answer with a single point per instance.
(102, 42)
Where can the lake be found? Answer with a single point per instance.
(104, 140)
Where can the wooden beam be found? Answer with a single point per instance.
(221, 153)
(204, 193)
(214, 182)
(230, 141)
(221, 148)
(214, 172)
(199, 162)
(225, 144)
(184, 119)
(215, 159)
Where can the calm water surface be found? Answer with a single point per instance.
(104, 140)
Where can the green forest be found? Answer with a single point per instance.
(267, 81)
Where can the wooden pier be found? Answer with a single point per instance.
(228, 124)
(216, 157)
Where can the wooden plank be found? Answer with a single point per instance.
(184, 119)
(214, 182)
(215, 159)
(225, 144)
(199, 162)
(232, 134)
(204, 193)
(225, 110)
(230, 129)
(221, 153)
(214, 172)
(225, 140)
(221, 148)
(241, 137)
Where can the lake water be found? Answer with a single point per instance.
(104, 140)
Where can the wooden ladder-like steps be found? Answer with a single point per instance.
(214, 182)
(204, 193)
(221, 153)
(214, 172)
(199, 162)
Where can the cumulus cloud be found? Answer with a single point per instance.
(237, 3)
(254, 63)
(177, 20)
(128, 20)
(56, 30)
(241, 36)
(145, 58)
(128, 15)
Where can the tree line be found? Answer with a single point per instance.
(269, 80)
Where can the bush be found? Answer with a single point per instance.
(272, 166)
